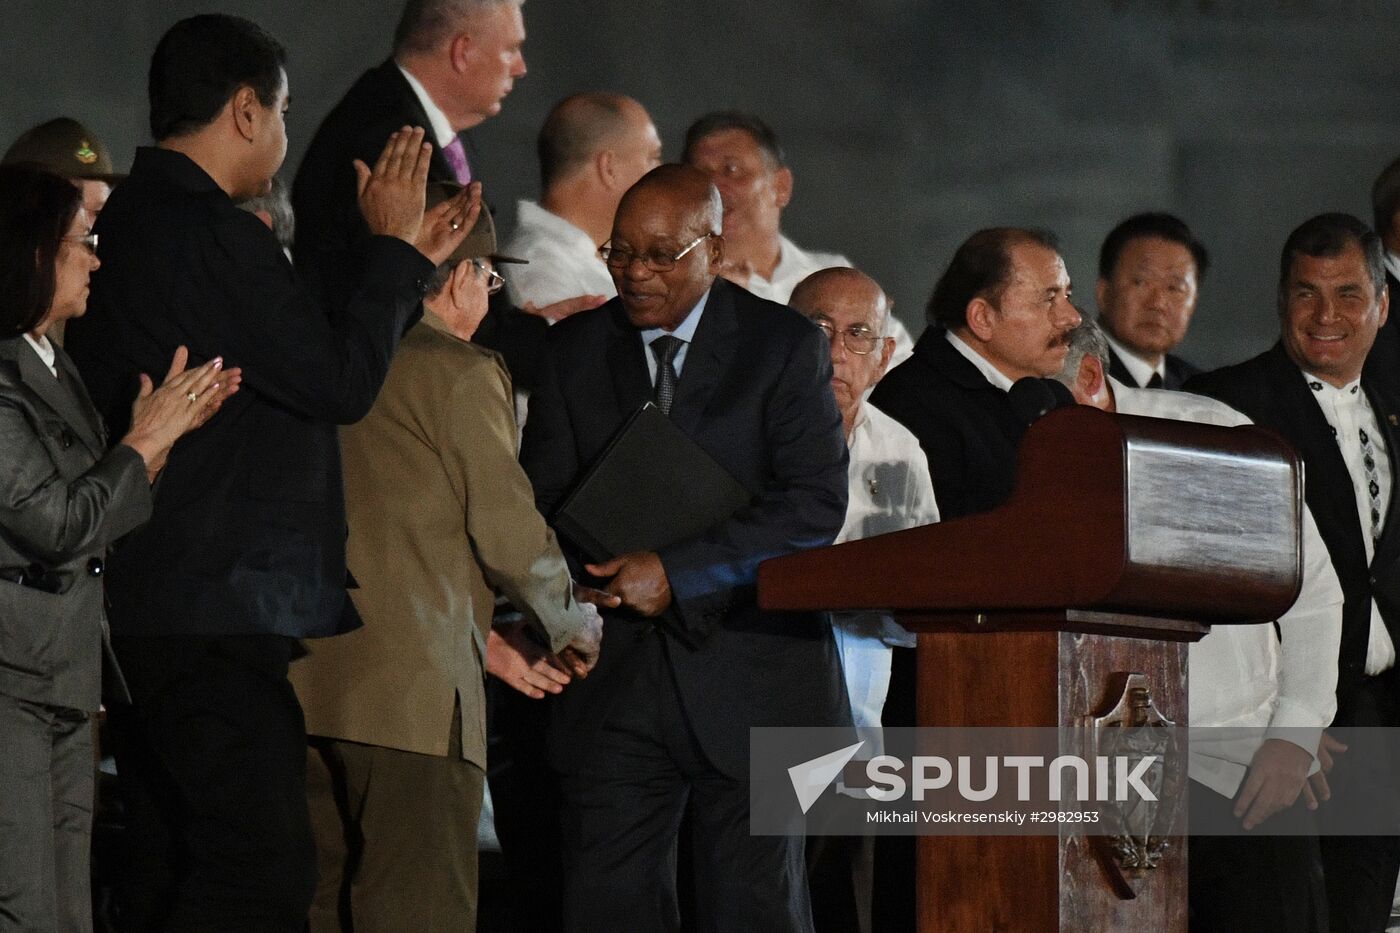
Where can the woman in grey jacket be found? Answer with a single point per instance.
(64, 497)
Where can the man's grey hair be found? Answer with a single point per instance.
(1085, 340)
(278, 207)
(427, 24)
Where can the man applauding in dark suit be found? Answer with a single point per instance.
(245, 550)
(663, 722)
(1150, 267)
(1317, 388)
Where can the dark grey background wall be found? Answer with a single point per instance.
(909, 124)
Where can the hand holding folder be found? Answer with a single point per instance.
(651, 486)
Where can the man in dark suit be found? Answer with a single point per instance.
(1000, 312)
(1317, 387)
(454, 62)
(690, 664)
(1150, 268)
(245, 550)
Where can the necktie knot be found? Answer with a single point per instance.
(664, 349)
(456, 154)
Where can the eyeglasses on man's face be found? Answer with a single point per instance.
(657, 262)
(857, 338)
(494, 282)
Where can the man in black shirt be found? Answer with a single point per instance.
(245, 550)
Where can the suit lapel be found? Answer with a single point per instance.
(74, 383)
(626, 364)
(438, 167)
(1118, 371)
(707, 358)
(58, 397)
(1329, 483)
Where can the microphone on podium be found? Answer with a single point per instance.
(1033, 398)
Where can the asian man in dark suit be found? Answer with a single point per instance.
(454, 62)
(245, 550)
(1150, 269)
(663, 722)
(1318, 388)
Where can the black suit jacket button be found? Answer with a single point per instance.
(95, 567)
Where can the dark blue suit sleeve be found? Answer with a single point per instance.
(803, 504)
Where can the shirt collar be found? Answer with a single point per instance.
(45, 350)
(1347, 394)
(528, 213)
(993, 375)
(176, 167)
(1137, 367)
(442, 127)
(686, 329)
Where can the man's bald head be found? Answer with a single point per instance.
(582, 126)
(665, 248)
(844, 285)
(680, 185)
(851, 309)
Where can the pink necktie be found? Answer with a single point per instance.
(456, 154)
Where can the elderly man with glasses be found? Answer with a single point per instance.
(441, 518)
(890, 490)
(690, 662)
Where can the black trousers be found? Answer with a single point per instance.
(212, 764)
(1251, 882)
(624, 797)
(1361, 870)
(526, 802)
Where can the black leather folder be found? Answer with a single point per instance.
(651, 486)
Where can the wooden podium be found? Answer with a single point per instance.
(1072, 605)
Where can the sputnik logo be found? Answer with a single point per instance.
(811, 778)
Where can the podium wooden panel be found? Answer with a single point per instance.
(1125, 538)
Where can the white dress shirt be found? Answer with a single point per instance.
(685, 331)
(42, 347)
(563, 259)
(984, 366)
(890, 490)
(443, 133)
(1348, 412)
(1248, 676)
(1137, 367)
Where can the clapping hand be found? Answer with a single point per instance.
(185, 400)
